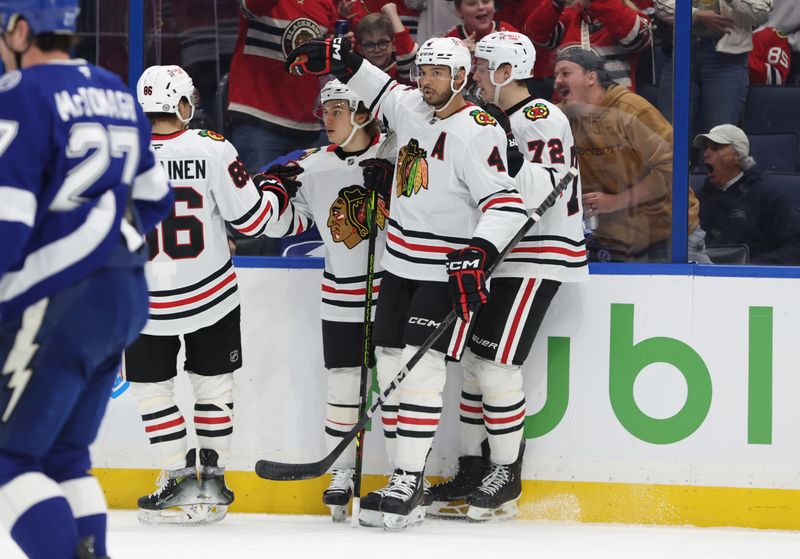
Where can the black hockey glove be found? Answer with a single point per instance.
(378, 176)
(515, 158)
(270, 183)
(467, 283)
(287, 174)
(324, 56)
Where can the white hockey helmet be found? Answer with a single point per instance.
(445, 51)
(505, 47)
(161, 88)
(335, 89)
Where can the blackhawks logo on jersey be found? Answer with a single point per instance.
(348, 218)
(210, 134)
(412, 169)
(536, 111)
(483, 118)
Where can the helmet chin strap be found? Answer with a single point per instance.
(191, 114)
(453, 93)
(356, 128)
(497, 86)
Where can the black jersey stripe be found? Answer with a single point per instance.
(160, 413)
(171, 437)
(181, 290)
(414, 259)
(554, 238)
(198, 310)
(353, 279)
(579, 264)
(425, 235)
(250, 213)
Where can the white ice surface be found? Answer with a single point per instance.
(301, 537)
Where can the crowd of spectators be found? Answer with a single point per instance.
(609, 62)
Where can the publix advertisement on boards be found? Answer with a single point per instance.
(633, 379)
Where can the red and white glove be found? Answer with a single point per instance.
(467, 282)
(271, 183)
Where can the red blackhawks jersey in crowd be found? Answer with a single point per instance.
(258, 84)
(617, 31)
(333, 197)
(190, 274)
(770, 58)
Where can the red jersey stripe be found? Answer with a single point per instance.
(165, 425)
(194, 298)
(512, 419)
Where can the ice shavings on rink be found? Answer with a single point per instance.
(299, 537)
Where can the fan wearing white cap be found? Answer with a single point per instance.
(492, 400)
(454, 208)
(740, 207)
(193, 295)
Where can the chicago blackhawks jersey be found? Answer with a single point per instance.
(770, 58)
(333, 196)
(452, 183)
(190, 274)
(555, 247)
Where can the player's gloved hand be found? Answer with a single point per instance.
(515, 158)
(323, 56)
(378, 176)
(467, 283)
(271, 183)
(287, 174)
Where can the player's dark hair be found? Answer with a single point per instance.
(157, 118)
(49, 42)
(373, 128)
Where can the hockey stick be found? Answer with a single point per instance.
(388, 149)
(282, 471)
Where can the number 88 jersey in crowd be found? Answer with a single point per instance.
(190, 274)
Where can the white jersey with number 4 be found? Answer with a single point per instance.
(555, 247)
(452, 184)
(190, 274)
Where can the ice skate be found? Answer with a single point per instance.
(337, 495)
(215, 496)
(447, 499)
(177, 499)
(369, 514)
(497, 496)
(401, 505)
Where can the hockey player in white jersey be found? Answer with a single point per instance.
(334, 196)
(454, 208)
(193, 295)
(523, 286)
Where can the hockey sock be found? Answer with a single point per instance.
(389, 361)
(163, 421)
(31, 504)
(419, 409)
(213, 412)
(342, 411)
(472, 431)
(503, 407)
(69, 465)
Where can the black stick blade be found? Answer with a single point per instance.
(281, 471)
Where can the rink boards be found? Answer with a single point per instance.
(650, 399)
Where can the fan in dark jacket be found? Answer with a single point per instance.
(738, 207)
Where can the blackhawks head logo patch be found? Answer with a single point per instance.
(211, 135)
(412, 169)
(483, 118)
(348, 218)
(536, 111)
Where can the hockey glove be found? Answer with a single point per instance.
(287, 174)
(515, 158)
(467, 282)
(324, 56)
(271, 183)
(378, 176)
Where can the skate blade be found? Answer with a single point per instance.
(214, 513)
(338, 512)
(452, 510)
(187, 515)
(395, 522)
(507, 511)
(370, 518)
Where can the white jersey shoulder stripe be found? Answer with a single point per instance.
(17, 204)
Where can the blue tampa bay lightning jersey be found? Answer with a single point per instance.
(78, 179)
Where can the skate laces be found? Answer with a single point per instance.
(341, 478)
(402, 485)
(495, 479)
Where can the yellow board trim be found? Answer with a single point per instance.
(541, 500)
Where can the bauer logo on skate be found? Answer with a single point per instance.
(412, 169)
(536, 112)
